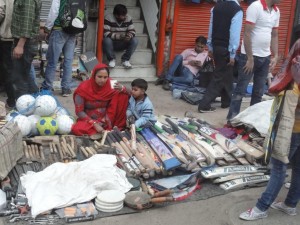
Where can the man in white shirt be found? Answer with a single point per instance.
(260, 41)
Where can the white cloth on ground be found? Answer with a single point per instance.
(61, 185)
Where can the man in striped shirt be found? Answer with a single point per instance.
(119, 34)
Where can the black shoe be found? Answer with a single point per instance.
(209, 110)
(159, 81)
(166, 85)
(225, 106)
(66, 92)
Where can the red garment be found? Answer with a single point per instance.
(106, 104)
(289, 71)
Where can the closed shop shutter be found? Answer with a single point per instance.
(46, 4)
(192, 20)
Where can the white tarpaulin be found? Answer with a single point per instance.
(256, 116)
(61, 185)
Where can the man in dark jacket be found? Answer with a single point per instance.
(223, 41)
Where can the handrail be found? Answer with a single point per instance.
(161, 37)
(100, 29)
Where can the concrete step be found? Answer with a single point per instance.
(146, 72)
(134, 12)
(124, 2)
(139, 26)
(143, 41)
(139, 57)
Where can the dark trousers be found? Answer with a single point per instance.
(221, 82)
(6, 70)
(22, 81)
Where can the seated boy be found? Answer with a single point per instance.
(186, 65)
(140, 109)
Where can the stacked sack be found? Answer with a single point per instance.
(40, 116)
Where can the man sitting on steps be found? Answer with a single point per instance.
(119, 34)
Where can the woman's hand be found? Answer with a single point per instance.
(118, 86)
(98, 127)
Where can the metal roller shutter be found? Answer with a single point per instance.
(192, 20)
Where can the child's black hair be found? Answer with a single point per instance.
(140, 83)
(201, 39)
(120, 10)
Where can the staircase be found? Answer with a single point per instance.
(141, 60)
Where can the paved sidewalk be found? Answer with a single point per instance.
(220, 210)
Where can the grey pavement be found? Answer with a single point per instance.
(219, 210)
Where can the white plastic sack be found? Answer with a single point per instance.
(2, 200)
(61, 185)
(256, 116)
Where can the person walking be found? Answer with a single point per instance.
(290, 80)
(223, 41)
(262, 20)
(59, 42)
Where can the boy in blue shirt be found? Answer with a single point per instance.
(140, 109)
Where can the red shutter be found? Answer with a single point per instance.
(192, 20)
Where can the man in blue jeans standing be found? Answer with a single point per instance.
(59, 42)
(260, 37)
(186, 65)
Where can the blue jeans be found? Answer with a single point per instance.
(260, 72)
(278, 173)
(59, 41)
(109, 46)
(178, 73)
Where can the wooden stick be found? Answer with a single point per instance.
(37, 152)
(133, 138)
(60, 152)
(85, 153)
(64, 149)
(25, 149)
(42, 152)
(51, 147)
(104, 137)
(93, 150)
(30, 152)
(72, 143)
(71, 151)
(54, 148)
(89, 151)
(64, 140)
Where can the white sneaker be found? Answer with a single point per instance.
(112, 63)
(126, 64)
(284, 208)
(253, 214)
